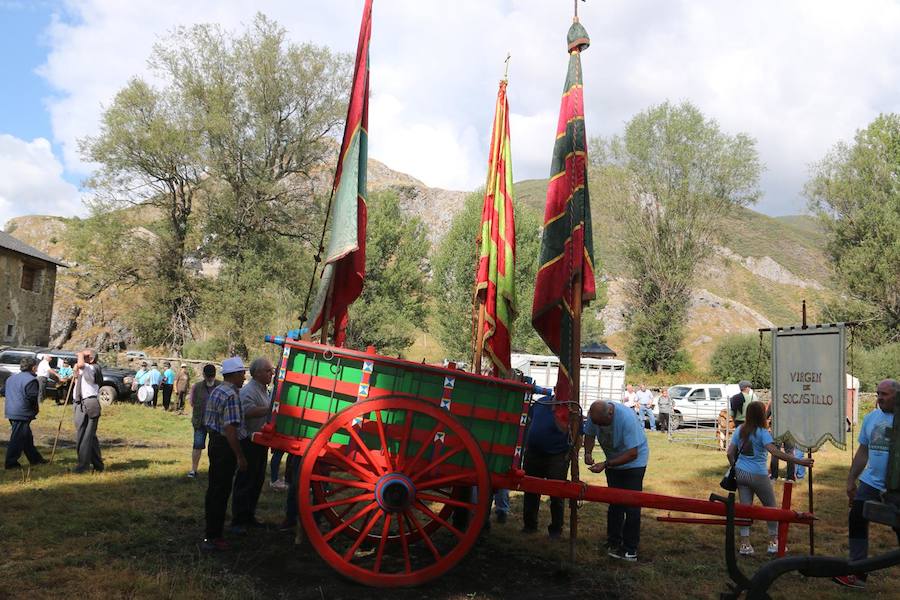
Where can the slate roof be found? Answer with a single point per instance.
(10, 243)
(598, 348)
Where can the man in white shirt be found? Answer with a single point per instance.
(44, 372)
(88, 380)
(630, 398)
(645, 406)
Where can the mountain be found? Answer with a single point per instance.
(757, 277)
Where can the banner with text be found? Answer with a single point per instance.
(809, 386)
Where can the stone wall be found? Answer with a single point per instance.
(24, 314)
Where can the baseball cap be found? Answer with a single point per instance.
(232, 365)
(744, 384)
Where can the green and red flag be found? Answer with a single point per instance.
(567, 247)
(494, 279)
(345, 258)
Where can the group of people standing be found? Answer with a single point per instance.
(227, 413)
(149, 381)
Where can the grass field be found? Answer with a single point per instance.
(131, 532)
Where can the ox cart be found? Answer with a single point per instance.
(393, 452)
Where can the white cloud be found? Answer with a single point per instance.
(797, 76)
(31, 180)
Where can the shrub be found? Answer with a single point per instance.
(737, 357)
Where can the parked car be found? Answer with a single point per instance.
(130, 354)
(699, 403)
(116, 381)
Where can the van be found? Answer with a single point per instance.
(700, 403)
(601, 378)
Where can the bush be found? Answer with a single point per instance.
(737, 357)
(872, 366)
(210, 349)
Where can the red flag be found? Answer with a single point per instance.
(567, 247)
(495, 278)
(345, 258)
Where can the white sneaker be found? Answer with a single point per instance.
(746, 550)
(278, 486)
(773, 548)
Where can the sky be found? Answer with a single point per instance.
(797, 76)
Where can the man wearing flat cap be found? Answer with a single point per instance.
(740, 401)
(223, 418)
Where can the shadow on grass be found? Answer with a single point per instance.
(137, 536)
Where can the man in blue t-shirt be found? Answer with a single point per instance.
(167, 384)
(546, 455)
(621, 435)
(870, 467)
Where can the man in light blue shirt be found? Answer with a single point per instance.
(622, 437)
(167, 384)
(869, 467)
(154, 378)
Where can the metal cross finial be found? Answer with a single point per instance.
(506, 67)
(576, 8)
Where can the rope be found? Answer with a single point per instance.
(756, 380)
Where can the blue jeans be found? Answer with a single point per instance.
(275, 465)
(646, 410)
(501, 501)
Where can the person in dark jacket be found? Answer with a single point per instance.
(21, 409)
(739, 402)
(546, 455)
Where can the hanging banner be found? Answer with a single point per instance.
(809, 386)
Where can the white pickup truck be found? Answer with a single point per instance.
(699, 403)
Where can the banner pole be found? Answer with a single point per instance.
(812, 526)
(575, 417)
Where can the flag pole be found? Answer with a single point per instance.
(575, 416)
(326, 314)
(478, 350)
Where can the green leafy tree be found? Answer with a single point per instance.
(676, 175)
(738, 357)
(454, 282)
(855, 190)
(394, 299)
(149, 156)
(228, 154)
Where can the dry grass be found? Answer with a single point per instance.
(131, 532)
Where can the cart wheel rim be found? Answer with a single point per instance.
(409, 471)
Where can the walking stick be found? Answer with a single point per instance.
(61, 417)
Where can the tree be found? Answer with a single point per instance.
(738, 357)
(676, 174)
(855, 190)
(149, 155)
(231, 149)
(394, 299)
(454, 281)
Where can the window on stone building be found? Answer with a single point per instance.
(10, 330)
(31, 278)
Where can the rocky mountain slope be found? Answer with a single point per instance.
(761, 270)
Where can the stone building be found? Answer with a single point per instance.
(27, 284)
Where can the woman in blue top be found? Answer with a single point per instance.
(748, 452)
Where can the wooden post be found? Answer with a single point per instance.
(327, 317)
(574, 417)
(812, 527)
(478, 348)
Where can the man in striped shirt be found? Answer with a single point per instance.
(223, 419)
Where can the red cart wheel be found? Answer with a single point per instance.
(395, 481)
(337, 515)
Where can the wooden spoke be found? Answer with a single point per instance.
(382, 436)
(440, 481)
(428, 442)
(343, 483)
(328, 536)
(412, 518)
(364, 449)
(385, 530)
(449, 501)
(405, 545)
(348, 555)
(404, 440)
(430, 514)
(443, 457)
(362, 473)
(342, 501)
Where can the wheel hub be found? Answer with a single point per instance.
(394, 492)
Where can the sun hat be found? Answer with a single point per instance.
(232, 365)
